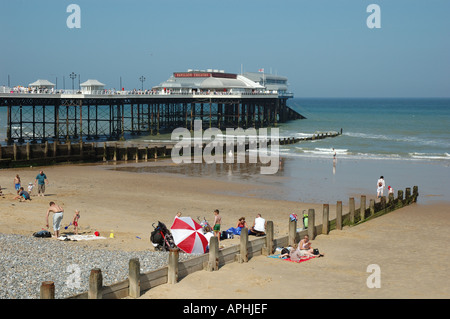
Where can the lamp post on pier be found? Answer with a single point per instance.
(72, 76)
(142, 79)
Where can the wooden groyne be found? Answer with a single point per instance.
(137, 283)
(17, 155)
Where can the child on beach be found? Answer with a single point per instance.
(76, 217)
(30, 188)
(17, 183)
(391, 190)
(23, 195)
(217, 222)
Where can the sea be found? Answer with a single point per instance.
(403, 139)
(407, 141)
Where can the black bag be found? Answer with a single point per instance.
(156, 237)
(285, 251)
(315, 251)
(43, 234)
(226, 235)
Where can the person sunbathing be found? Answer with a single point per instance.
(304, 246)
(294, 254)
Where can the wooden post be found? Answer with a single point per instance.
(407, 194)
(15, 151)
(28, 151)
(46, 149)
(134, 278)
(372, 207)
(415, 193)
(69, 148)
(104, 152)
(268, 249)
(243, 254)
(48, 290)
(351, 204)
(172, 274)
(339, 215)
(400, 198)
(311, 224)
(292, 232)
(81, 147)
(115, 153)
(95, 284)
(156, 152)
(363, 207)
(391, 199)
(326, 219)
(383, 204)
(55, 148)
(213, 262)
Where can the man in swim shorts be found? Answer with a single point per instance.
(217, 222)
(58, 213)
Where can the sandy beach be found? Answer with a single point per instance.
(409, 245)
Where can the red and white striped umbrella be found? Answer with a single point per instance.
(188, 235)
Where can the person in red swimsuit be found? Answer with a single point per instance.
(76, 217)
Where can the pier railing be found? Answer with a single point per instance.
(138, 283)
(112, 92)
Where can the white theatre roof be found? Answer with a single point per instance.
(92, 83)
(41, 83)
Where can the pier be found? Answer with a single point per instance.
(113, 115)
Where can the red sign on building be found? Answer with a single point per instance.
(192, 75)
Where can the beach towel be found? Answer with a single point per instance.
(234, 230)
(80, 237)
(289, 259)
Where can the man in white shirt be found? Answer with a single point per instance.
(259, 226)
(380, 186)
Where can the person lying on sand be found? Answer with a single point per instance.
(304, 246)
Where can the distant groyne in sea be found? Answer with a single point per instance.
(17, 155)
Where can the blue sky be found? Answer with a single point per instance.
(324, 47)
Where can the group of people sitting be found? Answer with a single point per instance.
(301, 250)
(258, 228)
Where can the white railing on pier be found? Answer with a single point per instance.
(21, 91)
